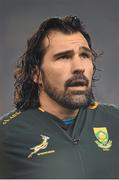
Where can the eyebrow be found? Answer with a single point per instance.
(71, 52)
(86, 49)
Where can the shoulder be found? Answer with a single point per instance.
(104, 108)
(17, 122)
(23, 122)
(15, 116)
(6, 118)
(17, 125)
(108, 109)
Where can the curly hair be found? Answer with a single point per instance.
(26, 93)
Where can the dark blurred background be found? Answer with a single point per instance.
(20, 18)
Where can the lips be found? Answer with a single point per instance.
(78, 82)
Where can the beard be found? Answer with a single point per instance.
(74, 99)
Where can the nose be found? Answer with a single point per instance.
(77, 66)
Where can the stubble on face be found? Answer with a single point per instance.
(70, 99)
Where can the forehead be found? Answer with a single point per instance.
(58, 41)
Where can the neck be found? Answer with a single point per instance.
(54, 108)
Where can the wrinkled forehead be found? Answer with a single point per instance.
(57, 40)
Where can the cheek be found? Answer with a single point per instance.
(89, 72)
(55, 76)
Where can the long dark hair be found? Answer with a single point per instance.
(26, 93)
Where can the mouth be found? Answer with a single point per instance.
(80, 84)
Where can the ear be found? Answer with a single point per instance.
(37, 76)
(40, 82)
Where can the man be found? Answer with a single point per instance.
(58, 130)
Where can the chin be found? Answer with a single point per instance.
(77, 102)
(79, 99)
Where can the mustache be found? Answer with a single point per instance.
(77, 80)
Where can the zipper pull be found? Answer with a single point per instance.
(76, 141)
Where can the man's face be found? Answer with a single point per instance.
(67, 70)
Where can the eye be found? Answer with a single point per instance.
(66, 56)
(85, 55)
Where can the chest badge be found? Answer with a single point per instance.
(102, 138)
(43, 145)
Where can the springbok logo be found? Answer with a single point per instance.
(37, 148)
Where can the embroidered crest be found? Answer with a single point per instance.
(102, 136)
(41, 146)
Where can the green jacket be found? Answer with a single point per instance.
(34, 144)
